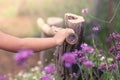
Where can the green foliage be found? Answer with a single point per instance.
(48, 8)
(103, 18)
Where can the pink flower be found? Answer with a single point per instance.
(117, 57)
(86, 48)
(73, 75)
(84, 11)
(46, 78)
(100, 51)
(102, 66)
(112, 66)
(69, 59)
(95, 28)
(50, 69)
(2, 78)
(88, 64)
(83, 59)
(22, 55)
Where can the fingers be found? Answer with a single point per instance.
(55, 29)
(69, 31)
(71, 37)
(40, 22)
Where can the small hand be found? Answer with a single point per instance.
(61, 35)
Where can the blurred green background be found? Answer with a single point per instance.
(18, 14)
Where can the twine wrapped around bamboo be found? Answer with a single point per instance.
(76, 23)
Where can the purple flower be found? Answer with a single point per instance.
(84, 45)
(112, 66)
(108, 39)
(83, 59)
(117, 57)
(102, 66)
(84, 11)
(88, 64)
(2, 78)
(86, 48)
(22, 56)
(116, 36)
(46, 78)
(50, 69)
(67, 64)
(112, 49)
(73, 75)
(69, 59)
(80, 53)
(100, 51)
(115, 48)
(96, 27)
(92, 36)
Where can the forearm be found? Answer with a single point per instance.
(12, 43)
(9, 43)
(38, 44)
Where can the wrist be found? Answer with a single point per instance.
(55, 41)
(58, 41)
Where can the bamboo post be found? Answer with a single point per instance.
(76, 23)
(55, 21)
(49, 29)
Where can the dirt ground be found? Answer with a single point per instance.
(20, 27)
(9, 66)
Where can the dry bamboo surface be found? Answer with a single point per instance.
(76, 23)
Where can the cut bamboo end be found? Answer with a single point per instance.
(72, 39)
(74, 22)
(74, 18)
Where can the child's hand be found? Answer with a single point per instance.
(61, 35)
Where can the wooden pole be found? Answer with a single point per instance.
(49, 29)
(76, 23)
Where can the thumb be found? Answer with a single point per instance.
(69, 31)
